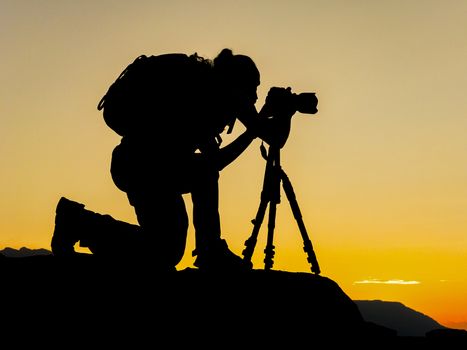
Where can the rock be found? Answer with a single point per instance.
(255, 307)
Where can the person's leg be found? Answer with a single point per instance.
(211, 250)
(112, 238)
(205, 198)
(159, 241)
(164, 222)
(102, 234)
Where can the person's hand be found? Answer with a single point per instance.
(274, 119)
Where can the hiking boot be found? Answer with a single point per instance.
(68, 215)
(218, 257)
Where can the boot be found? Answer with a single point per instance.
(218, 257)
(68, 216)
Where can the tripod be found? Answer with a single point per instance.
(270, 194)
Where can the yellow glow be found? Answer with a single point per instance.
(379, 173)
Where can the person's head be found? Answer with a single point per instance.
(237, 79)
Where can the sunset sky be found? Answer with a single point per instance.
(380, 172)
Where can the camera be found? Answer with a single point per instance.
(283, 103)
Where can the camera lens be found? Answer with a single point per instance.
(307, 103)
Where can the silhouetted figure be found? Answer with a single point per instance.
(170, 146)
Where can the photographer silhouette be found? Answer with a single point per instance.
(170, 111)
(170, 146)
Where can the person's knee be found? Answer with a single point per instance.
(165, 223)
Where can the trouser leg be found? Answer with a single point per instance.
(205, 197)
(106, 236)
(164, 222)
(102, 234)
(211, 250)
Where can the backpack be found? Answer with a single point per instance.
(150, 91)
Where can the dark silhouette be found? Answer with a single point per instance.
(406, 321)
(81, 299)
(170, 111)
(270, 195)
(23, 252)
(281, 104)
(94, 301)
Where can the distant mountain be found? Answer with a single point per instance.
(395, 315)
(23, 252)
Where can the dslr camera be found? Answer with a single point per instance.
(280, 105)
(283, 103)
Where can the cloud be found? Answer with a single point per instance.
(393, 281)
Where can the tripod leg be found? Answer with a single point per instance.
(275, 188)
(307, 246)
(269, 250)
(250, 243)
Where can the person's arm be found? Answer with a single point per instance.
(230, 152)
(271, 124)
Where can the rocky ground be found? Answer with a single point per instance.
(125, 301)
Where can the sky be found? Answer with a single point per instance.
(380, 172)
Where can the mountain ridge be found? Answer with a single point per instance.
(23, 252)
(395, 315)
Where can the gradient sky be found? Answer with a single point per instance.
(380, 173)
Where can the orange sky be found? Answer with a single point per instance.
(380, 172)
